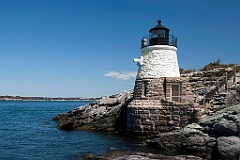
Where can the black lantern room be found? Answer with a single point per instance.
(159, 35)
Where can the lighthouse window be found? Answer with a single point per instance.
(176, 92)
(158, 34)
(145, 88)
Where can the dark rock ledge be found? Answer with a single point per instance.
(103, 114)
(189, 140)
(140, 156)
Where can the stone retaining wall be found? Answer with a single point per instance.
(150, 117)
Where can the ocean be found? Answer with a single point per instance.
(27, 132)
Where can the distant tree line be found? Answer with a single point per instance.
(19, 98)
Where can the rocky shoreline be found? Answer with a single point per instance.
(131, 155)
(214, 137)
(106, 113)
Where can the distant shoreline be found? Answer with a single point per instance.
(19, 98)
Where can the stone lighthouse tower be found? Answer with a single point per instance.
(161, 98)
(157, 64)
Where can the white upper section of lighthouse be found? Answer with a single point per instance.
(158, 61)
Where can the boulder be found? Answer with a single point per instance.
(102, 114)
(229, 147)
(225, 122)
(186, 141)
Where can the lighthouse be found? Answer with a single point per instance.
(162, 99)
(158, 65)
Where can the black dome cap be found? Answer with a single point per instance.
(159, 27)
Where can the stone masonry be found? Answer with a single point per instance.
(159, 88)
(152, 111)
(150, 117)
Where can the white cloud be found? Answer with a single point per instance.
(121, 75)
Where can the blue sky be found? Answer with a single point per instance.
(85, 48)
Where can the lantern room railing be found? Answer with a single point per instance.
(159, 40)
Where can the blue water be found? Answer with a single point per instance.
(27, 132)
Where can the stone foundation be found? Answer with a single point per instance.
(160, 105)
(150, 117)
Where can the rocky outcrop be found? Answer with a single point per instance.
(225, 99)
(102, 114)
(215, 137)
(212, 80)
(229, 147)
(225, 122)
(144, 156)
(189, 140)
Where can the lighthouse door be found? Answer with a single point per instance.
(176, 92)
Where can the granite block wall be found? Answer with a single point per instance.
(150, 117)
